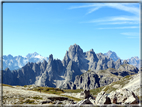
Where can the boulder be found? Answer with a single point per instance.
(113, 97)
(124, 96)
(102, 98)
(85, 94)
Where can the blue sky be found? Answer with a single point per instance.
(50, 28)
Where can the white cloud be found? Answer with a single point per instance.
(125, 7)
(119, 23)
(131, 34)
(132, 20)
(94, 9)
(117, 20)
(128, 7)
(127, 27)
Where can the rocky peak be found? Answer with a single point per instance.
(35, 54)
(10, 56)
(112, 55)
(91, 55)
(118, 61)
(91, 50)
(7, 69)
(51, 57)
(75, 50)
(109, 51)
(32, 54)
(125, 62)
(75, 53)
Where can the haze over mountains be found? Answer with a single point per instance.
(65, 73)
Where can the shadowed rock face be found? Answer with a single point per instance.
(118, 63)
(88, 80)
(67, 73)
(91, 79)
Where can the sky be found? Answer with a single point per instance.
(50, 28)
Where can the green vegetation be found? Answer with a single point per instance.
(21, 99)
(102, 71)
(122, 82)
(36, 97)
(49, 90)
(73, 98)
(29, 101)
(25, 85)
(95, 92)
(58, 91)
(111, 68)
(124, 65)
(7, 85)
(109, 89)
(89, 70)
(73, 91)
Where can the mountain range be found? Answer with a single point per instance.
(133, 60)
(112, 55)
(77, 70)
(17, 62)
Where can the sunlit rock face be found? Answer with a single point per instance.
(71, 72)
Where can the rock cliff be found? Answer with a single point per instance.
(71, 71)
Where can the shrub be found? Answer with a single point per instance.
(29, 101)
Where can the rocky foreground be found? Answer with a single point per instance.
(17, 95)
(123, 92)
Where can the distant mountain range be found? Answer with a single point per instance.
(133, 60)
(77, 70)
(17, 62)
(112, 55)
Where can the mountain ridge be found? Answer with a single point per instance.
(16, 62)
(57, 73)
(133, 60)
